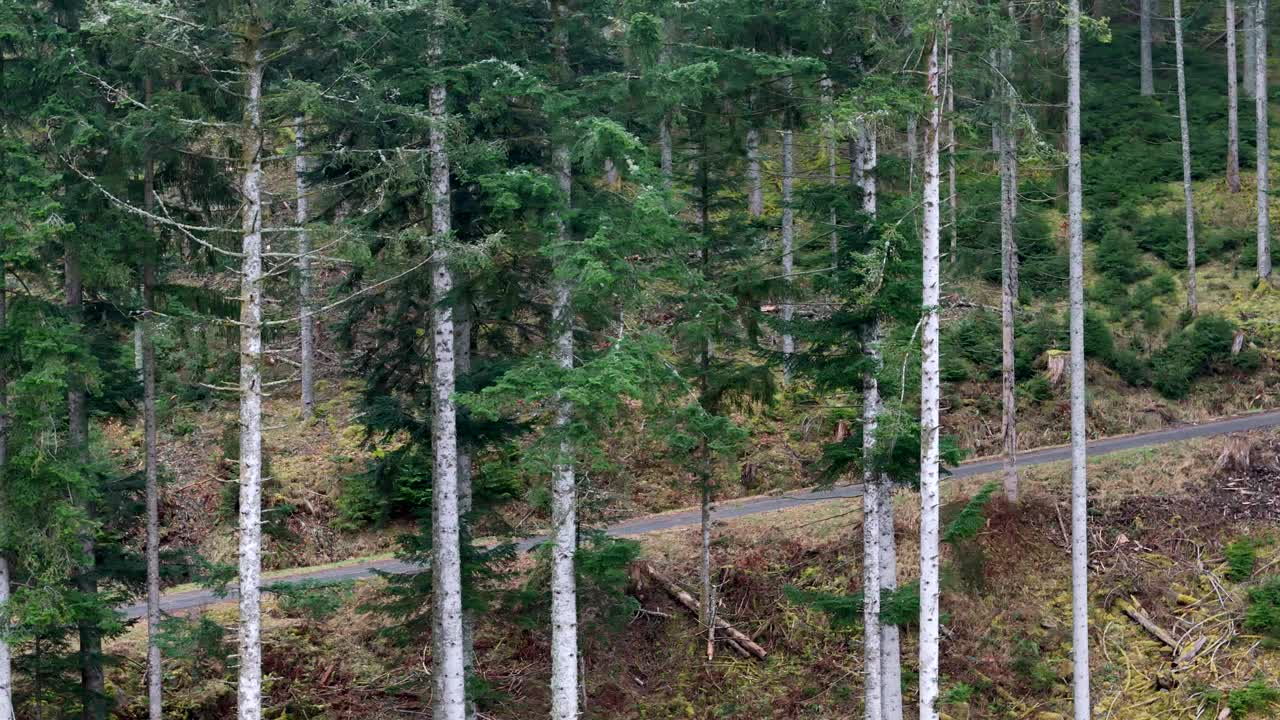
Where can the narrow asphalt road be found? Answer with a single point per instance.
(192, 599)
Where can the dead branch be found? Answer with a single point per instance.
(737, 640)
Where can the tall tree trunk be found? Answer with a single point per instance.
(6, 666)
(1192, 305)
(1250, 26)
(564, 612)
(708, 599)
(929, 394)
(155, 669)
(873, 489)
(884, 549)
(952, 196)
(564, 500)
(829, 143)
(1261, 109)
(788, 247)
(913, 150)
(446, 554)
(755, 200)
(92, 680)
(249, 695)
(1079, 487)
(462, 367)
(1008, 149)
(1146, 81)
(1233, 103)
(306, 332)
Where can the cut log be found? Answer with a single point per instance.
(740, 642)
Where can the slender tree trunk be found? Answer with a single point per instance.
(788, 243)
(155, 669)
(564, 613)
(1233, 103)
(1079, 487)
(249, 694)
(953, 197)
(1146, 81)
(1250, 26)
(306, 333)
(462, 368)
(929, 396)
(1008, 144)
(913, 150)
(665, 152)
(708, 599)
(6, 667)
(446, 554)
(92, 680)
(1192, 305)
(755, 201)
(873, 490)
(829, 141)
(889, 662)
(1261, 109)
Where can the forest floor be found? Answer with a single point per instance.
(1161, 520)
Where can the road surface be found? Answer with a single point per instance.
(192, 599)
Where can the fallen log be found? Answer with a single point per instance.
(740, 642)
(1136, 614)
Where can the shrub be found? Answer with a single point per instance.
(1257, 695)
(1190, 353)
(1241, 558)
(1132, 368)
(1119, 258)
(1036, 389)
(976, 338)
(1032, 339)
(1098, 342)
(1263, 615)
(1247, 360)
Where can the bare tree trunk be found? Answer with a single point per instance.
(249, 694)
(155, 668)
(952, 197)
(1261, 109)
(564, 502)
(913, 149)
(1233, 111)
(1250, 26)
(788, 243)
(1192, 305)
(708, 602)
(446, 554)
(462, 367)
(92, 681)
(306, 333)
(755, 200)
(829, 140)
(1008, 144)
(1144, 25)
(6, 666)
(873, 486)
(1079, 487)
(929, 394)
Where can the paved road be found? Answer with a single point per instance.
(174, 602)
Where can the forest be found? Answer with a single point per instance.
(638, 359)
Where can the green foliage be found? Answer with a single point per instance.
(971, 347)
(900, 606)
(1257, 696)
(1190, 353)
(1242, 556)
(200, 643)
(1028, 664)
(969, 521)
(1263, 614)
(311, 600)
(1119, 259)
(958, 693)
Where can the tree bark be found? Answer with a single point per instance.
(1007, 141)
(829, 142)
(1188, 201)
(6, 665)
(755, 200)
(913, 150)
(92, 679)
(1079, 487)
(446, 561)
(1233, 103)
(952, 197)
(249, 695)
(1261, 109)
(155, 668)
(306, 332)
(872, 492)
(1250, 25)
(788, 244)
(462, 367)
(1146, 80)
(929, 394)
